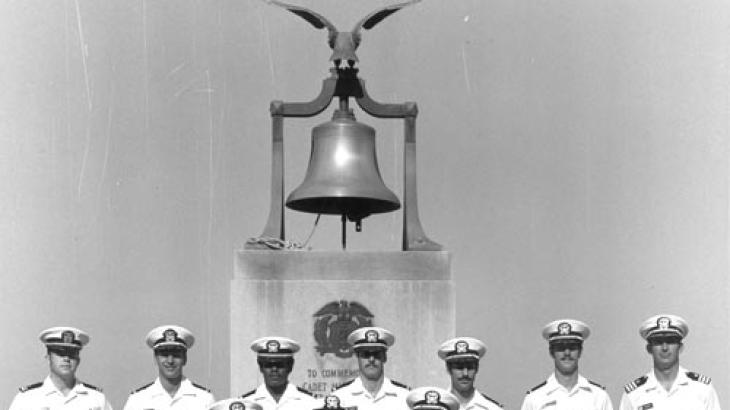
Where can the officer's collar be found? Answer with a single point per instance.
(263, 391)
(184, 389)
(553, 385)
(387, 388)
(653, 383)
(49, 387)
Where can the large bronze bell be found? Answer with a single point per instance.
(343, 177)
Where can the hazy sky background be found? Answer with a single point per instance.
(572, 156)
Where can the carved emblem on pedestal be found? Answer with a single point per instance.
(334, 322)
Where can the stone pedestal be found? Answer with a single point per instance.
(317, 298)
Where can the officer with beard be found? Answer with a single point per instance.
(566, 388)
(668, 385)
(462, 355)
(171, 389)
(371, 390)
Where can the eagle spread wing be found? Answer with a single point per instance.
(377, 16)
(331, 308)
(315, 19)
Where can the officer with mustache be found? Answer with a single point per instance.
(171, 389)
(275, 357)
(668, 385)
(371, 390)
(462, 355)
(61, 389)
(566, 388)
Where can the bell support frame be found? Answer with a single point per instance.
(344, 83)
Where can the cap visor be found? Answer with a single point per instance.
(664, 332)
(569, 338)
(361, 346)
(462, 356)
(61, 344)
(170, 344)
(276, 355)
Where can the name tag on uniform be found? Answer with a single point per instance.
(646, 406)
(548, 404)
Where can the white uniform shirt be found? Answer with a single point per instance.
(293, 398)
(189, 396)
(685, 394)
(46, 396)
(552, 395)
(478, 402)
(392, 396)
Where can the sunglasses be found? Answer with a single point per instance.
(170, 352)
(281, 364)
(659, 340)
(370, 353)
(65, 352)
(463, 364)
(560, 346)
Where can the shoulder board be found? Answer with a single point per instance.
(399, 384)
(536, 387)
(142, 388)
(347, 383)
(635, 384)
(244, 395)
(597, 385)
(30, 387)
(91, 386)
(492, 400)
(699, 378)
(305, 391)
(201, 387)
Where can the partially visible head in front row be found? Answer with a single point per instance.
(235, 404)
(431, 398)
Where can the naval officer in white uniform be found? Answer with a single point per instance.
(566, 388)
(371, 390)
(668, 386)
(275, 357)
(462, 355)
(61, 390)
(171, 389)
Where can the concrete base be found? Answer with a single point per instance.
(317, 298)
